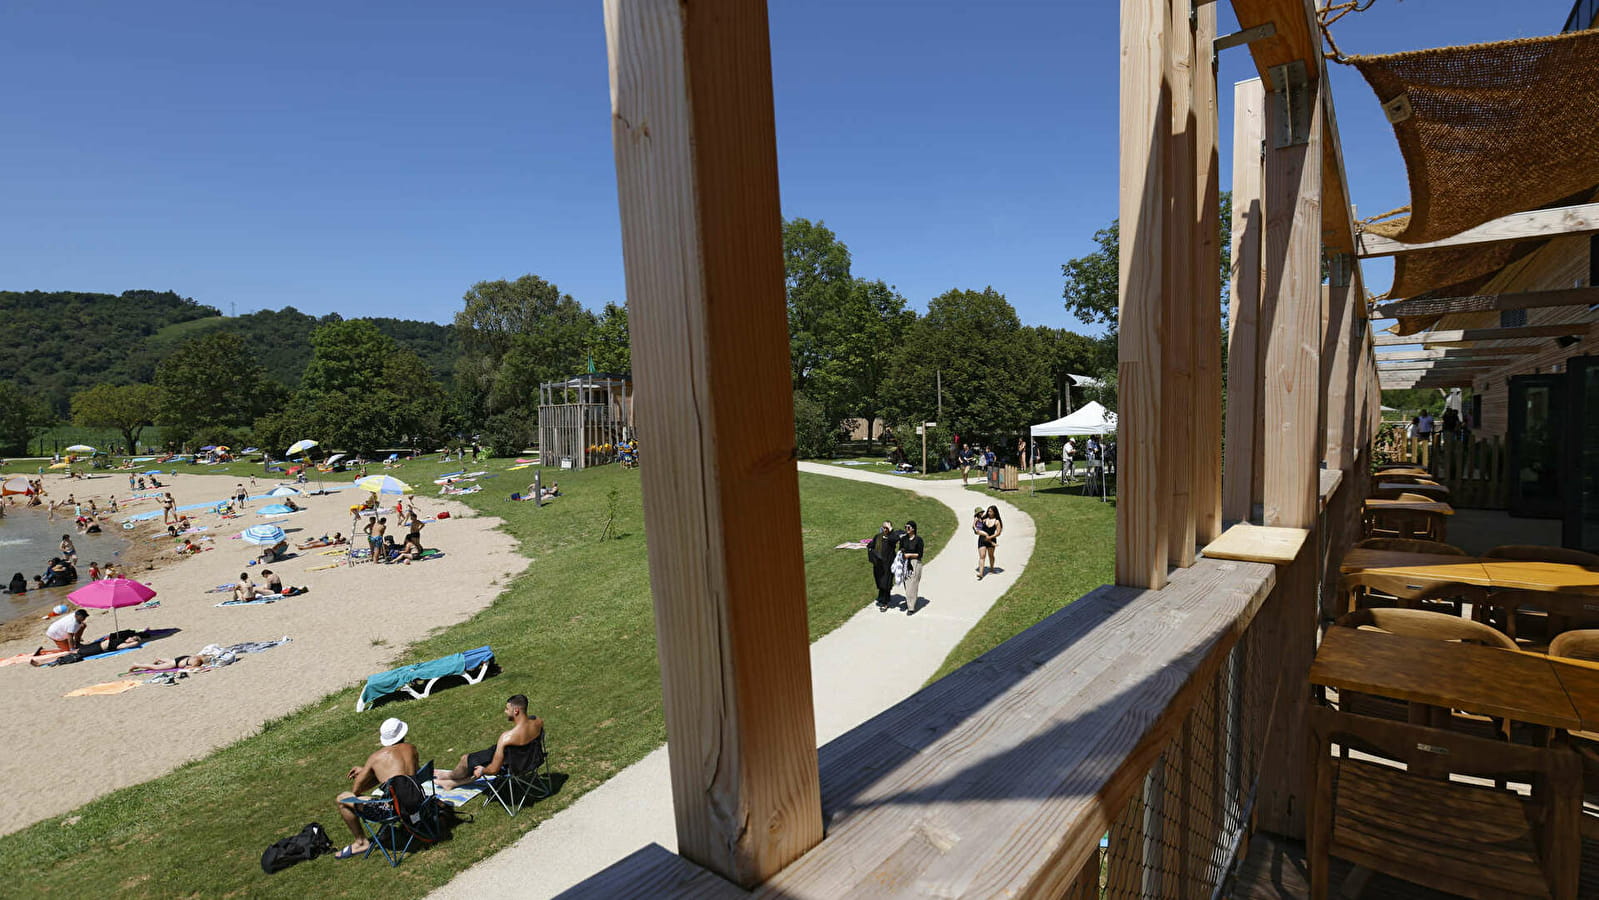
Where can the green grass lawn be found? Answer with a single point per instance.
(1074, 553)
(575, 632)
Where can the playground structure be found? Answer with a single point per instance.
(582, 419)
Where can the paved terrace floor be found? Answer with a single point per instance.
(863, 667)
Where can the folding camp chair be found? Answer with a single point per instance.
(522, 777)
(404, 813)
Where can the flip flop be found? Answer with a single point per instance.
(346, 852)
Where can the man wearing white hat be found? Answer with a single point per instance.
(395, 757)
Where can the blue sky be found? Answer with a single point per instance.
(378, 159)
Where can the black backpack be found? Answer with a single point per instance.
(310, 843)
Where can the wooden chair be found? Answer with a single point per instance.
(1365, 590)
(1410, 545)
(1408, 478)
(1583, 645)
(1470, 840)
(1533, 553)
(1436, 626)
(1406, 523)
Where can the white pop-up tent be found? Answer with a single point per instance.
(1092, 418)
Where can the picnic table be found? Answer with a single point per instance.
(1437, 506)
(1489, 572)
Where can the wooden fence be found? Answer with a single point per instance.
(1475, 469)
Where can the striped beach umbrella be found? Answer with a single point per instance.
(263, 535)
(383, 484)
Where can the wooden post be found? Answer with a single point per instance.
(1243, 337)
(696, 166)
(1342, 360)
(1292, 448)
(1141, 531)
(1207, 418)
(1178, 341)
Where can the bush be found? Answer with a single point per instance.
(939, 441)
(508, 434)
(814, 435)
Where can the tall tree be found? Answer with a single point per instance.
(995, 381)
(816, 271)
(211, 383)
(1091, 290)
(610, 345)
(1069, 353)
(515, 335)
(22, 416)
(126, 407)
(864, 335)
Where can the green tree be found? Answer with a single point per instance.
(1069, 353)
(213, 383)
(1091, 291)
(126, 407)
(609, 344)
(816, 274)
(995, 380)
(515, 335)
(362, 392)
(22, 416)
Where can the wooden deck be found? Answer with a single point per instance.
(1275, 870)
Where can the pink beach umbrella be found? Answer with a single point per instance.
(112, 594)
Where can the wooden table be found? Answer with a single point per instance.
(1548, 577)
(1433, 489)
(1522, 687)
(1405, 470)
(1437, 506)
(1424, 566)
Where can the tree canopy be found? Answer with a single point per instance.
(22, 415)
(514, 336)
(211, 384)
(128, 408)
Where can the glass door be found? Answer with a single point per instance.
(1536, 432)
(1582, 455)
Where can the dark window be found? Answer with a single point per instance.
(1512, 318)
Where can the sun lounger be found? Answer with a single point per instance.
(473, 665)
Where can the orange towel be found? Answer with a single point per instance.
(109, 687)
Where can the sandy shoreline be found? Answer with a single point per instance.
(354, 622)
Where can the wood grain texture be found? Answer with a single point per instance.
(1540, 223)
(1207, 417)
(1341, 357)
(1000, 779)
(654, 873)
(1443, 306)
(1141, 530)
(1257, 543)
(1473, 353)
(697, 186)
(1291, 309)
(1243, 424)
(1178, 342)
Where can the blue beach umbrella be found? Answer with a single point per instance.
(264, 535)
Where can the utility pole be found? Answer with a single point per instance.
(923, 430)
(940, 375)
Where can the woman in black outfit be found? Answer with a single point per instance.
(881, 552)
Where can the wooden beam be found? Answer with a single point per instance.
(1443, 306)
(1539, 223)
(1207, 328)
(1468, 352)
(696, 166)
(1240, 478)
(1339, 361)
(1467, 337)
(1177, 329)
(1435, 364)
(1292, 304)
(1141, 531)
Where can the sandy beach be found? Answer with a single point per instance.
(355, 621)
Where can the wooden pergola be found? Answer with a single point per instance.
(1167, 710)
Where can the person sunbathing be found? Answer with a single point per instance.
(116, 640)
(395, 757)
(275, 552)
(190, 661)
(323, 541)
(513, 746)
(274, 584)
(245, 589)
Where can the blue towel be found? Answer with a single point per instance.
(385, 683)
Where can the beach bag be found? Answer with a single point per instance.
(443, 515)
(310, 843)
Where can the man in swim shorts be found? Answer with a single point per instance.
(395, 757)
(514, 746)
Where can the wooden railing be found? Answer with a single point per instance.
(1475, 469)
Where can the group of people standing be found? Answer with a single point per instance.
(896, 557)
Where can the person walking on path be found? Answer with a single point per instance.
(881, 552)
(992, 528)
(911, 546)
(977, 529)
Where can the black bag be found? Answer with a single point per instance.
(310, 843)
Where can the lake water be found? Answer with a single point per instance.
(27, 541)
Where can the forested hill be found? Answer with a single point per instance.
(58, 342)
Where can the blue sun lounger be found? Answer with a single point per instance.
(473, 665)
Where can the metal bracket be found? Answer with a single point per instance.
(1291, 93)
(1340, 269)
(1246, 36)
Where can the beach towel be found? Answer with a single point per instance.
(456, 796)
(109, 687)
(853, 545)
(260, 598)
(276, 509)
